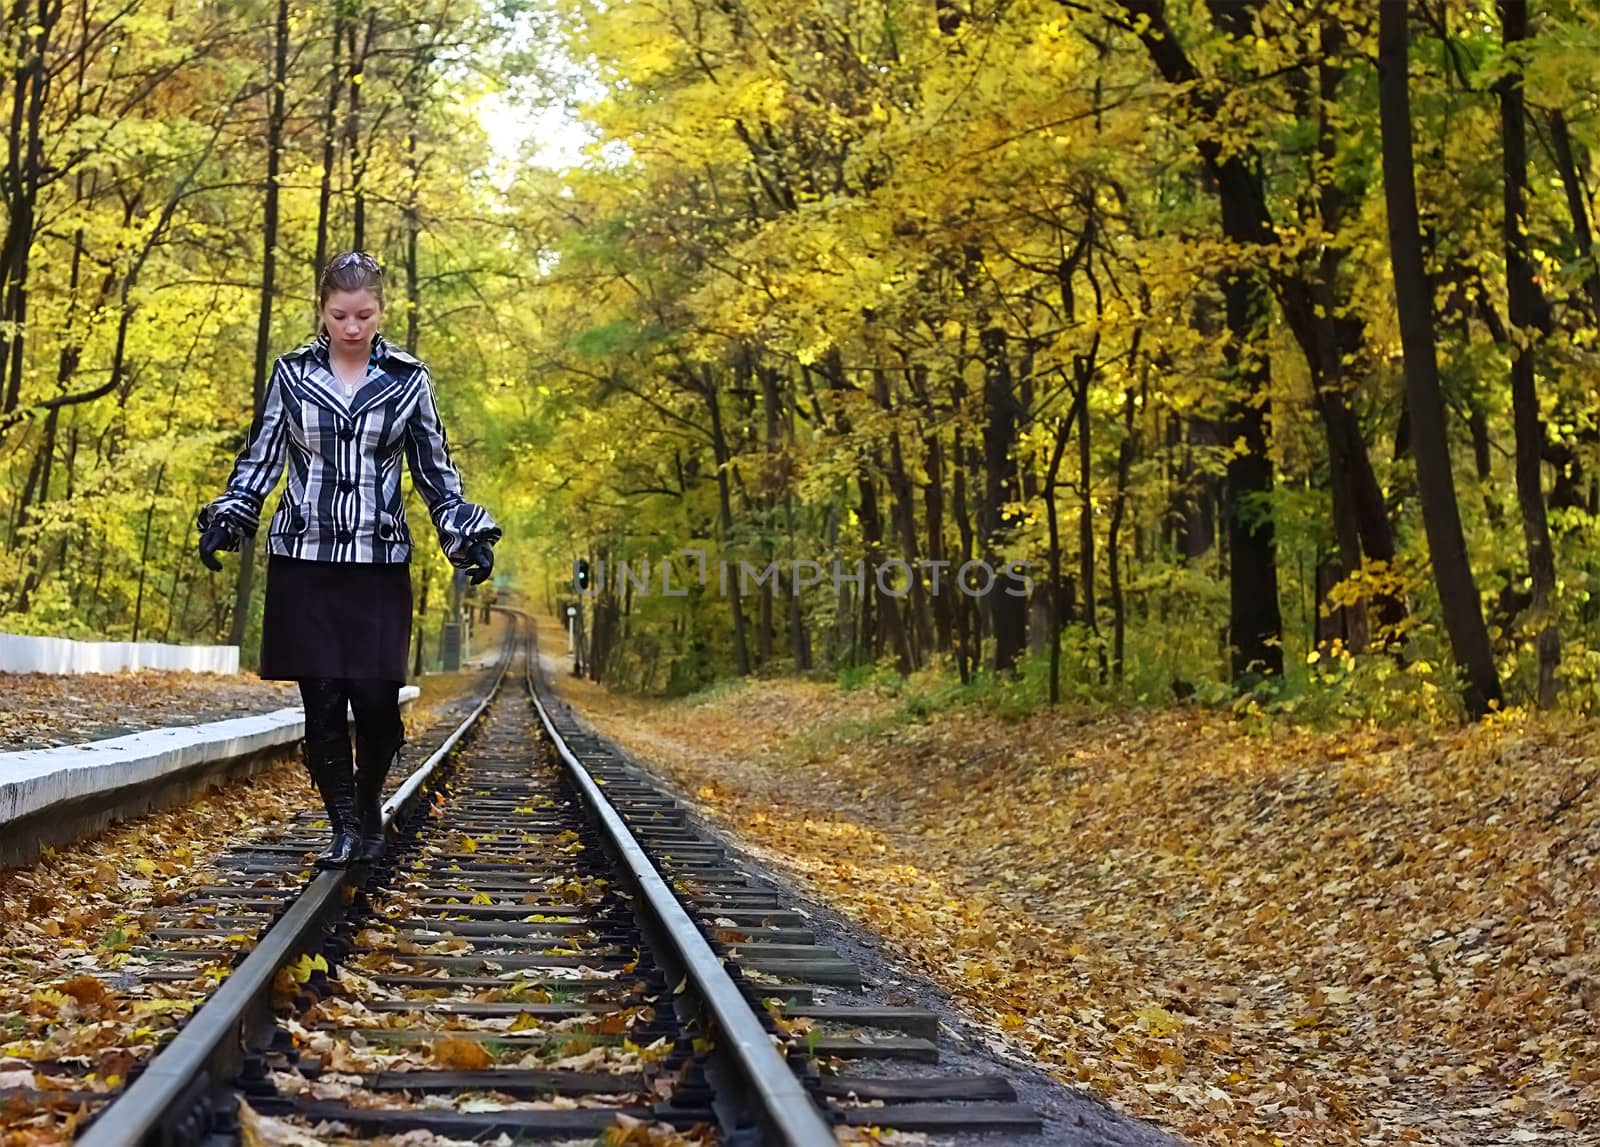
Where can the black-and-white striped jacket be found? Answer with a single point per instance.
(343, 501)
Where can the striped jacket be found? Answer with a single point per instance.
(343, 501)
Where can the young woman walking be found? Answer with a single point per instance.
(344, 408)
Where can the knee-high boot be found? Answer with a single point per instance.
(328, 762)
(375, 756)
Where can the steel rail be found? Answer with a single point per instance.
(171, 1100)
(783, 1102)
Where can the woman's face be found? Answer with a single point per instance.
(352, 318)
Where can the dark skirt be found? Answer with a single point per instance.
(335, 619)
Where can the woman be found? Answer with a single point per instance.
(337, 619)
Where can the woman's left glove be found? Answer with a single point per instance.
(480, 555)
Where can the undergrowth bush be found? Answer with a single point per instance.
(1323, 690)
(1180, 661)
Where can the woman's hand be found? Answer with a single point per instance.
(216, 537)
(481, 555)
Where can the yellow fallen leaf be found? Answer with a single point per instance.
(300, 971)
(160, 1007)
(461, 1055)
(56, 1001)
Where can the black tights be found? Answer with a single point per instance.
(376, 704)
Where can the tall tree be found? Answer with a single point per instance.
(1520, 296)
(1458, 592)
(277, 97)
(1255, 620)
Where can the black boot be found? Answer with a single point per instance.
(329, 766)
(374, 758)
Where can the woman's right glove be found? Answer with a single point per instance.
(481, 555)
(215, 537)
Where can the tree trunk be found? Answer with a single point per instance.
(1458, 592)
(1127, 450)
(1569, 490)
(144, 554)
(413, 226)
(1331, 338)
(919, 631)
(967, 638)
(421, 626)
(1059, 609)
(774, 481)
(1520, 298)
(20, 518)
(330, 138)
(1255, 624)
(269, 271)
(891, 629)
(21, 190)
(799, 636)
(719, 445)
(1085, 373)
(933, 514)
(1008, 614)
(1572, 181)
(1246, 220)
(352, 130)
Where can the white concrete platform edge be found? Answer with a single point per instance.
(35, 779)
(61, 655)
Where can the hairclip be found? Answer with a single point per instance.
(358, 257)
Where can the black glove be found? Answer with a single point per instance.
(216, 537)
(481, 557)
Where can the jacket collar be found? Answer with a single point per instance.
(387, 376)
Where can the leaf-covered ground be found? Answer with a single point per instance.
(77, 1014)
(38, 710)
(1245, 934)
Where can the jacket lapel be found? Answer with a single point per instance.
(313, 382)
(320, 389)
(382, 387)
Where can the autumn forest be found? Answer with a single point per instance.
(1099, 499)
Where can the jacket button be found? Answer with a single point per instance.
(386, 531)
(345, 485)
(347, 433)
(344, 535)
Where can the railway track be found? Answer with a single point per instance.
(549, 946)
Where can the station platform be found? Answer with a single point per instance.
(60, 793)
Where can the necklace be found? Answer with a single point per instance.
(350, 387)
